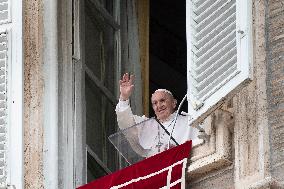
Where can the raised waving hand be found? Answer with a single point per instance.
(126, 86)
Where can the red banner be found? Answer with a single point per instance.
(138, 173)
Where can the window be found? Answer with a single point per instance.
(98, 53)
(167, 48)
(105, 44)
(101, 68)
(218, 52)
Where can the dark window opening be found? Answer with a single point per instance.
(167, 56)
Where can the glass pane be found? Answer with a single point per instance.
(108, 5)
(100, 123)
(93, 46)
(94, 170)
(100, 48)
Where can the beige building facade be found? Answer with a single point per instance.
(74, 52)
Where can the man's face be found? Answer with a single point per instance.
(163, 105)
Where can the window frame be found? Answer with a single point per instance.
(15, 88)
(80, 71)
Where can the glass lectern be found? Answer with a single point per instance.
(142, 140)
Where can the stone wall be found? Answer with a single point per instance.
(275, 84)
(250, 111)
(33, 94)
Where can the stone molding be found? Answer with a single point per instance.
(217, 152)
(267, 183)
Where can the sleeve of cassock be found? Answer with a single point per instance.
(125, 119)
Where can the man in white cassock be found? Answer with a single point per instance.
(151, 137)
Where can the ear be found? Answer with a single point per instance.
(174, 103)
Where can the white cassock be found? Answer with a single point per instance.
(151, 136)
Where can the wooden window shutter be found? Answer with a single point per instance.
(218, 52)
(3, 106)
(4, 19)
(11, 94)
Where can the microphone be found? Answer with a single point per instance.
(175, 119)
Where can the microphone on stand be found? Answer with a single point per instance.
(203, 134)
(175, 119)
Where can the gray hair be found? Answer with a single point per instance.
(164, 90)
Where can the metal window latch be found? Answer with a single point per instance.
(10, 186)
(196, 104)
(242, 33)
